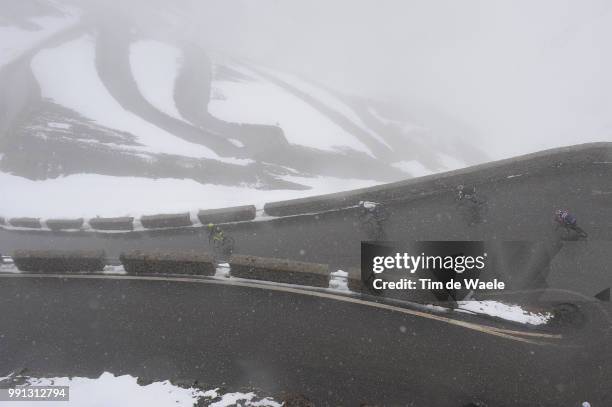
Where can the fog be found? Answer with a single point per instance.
(521, 75)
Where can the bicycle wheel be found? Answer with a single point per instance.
(371, 227)
(228, 245)
(581, 232)
(217, 246)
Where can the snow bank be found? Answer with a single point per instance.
(89, 195)
(258, 101)
(67, 74)
(110, 390)
(339, 281)
(505, 311)
(242, 399)
(110, 269)
(8, 267)
(155, 66)
(223, 270)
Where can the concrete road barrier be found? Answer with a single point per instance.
(225, 215)
(280, 270)
(416, 188)
(55, 261)
(64, 224)
(121, 223)
(33, 223)
(166, 221)
(354, 281)
(167, 262)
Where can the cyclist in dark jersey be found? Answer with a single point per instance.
(566, 220)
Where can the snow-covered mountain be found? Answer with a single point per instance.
(99, 106)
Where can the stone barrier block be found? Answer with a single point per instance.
(175, 220)
(226, 215)
(280, 270)
(33, 223)
(56, 261)
(121, 223)
(64, 224)
(167, 262)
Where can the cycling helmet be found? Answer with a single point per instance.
(211, 225)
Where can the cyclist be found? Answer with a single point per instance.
(222, 244)
(467, 194)
(563, 218)
(471, 204)
(215, 233)
(372, 216)
(373, 209)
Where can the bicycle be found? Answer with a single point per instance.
(371, 219)
(579, 233)
(473, 206)
(223, 246)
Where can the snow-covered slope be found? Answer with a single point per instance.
(67, 75)
(242, 96)
(90, 195)
(88, 104)
(17, 39)
(155, 66)
(328, 99)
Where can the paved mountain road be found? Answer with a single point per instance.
(335, 352)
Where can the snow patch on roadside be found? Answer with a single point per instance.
(119, 391)
(9, 268)
(110, 390)
(242, 399)
(110, 269)
(223, 270)
(339, 281)
(505, 311)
